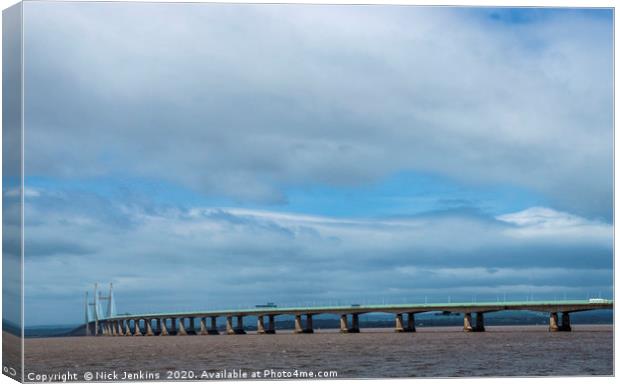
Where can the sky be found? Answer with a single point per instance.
(223, 155)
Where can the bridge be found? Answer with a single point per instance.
(195, 322)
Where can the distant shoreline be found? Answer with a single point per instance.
(365, 327)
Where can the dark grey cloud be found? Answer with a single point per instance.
(241, 100)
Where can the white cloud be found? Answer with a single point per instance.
(243, 100)
(16, 192)
(539, 222)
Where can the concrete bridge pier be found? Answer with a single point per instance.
(239, 330)
(213, 330)
(203, 326)
(410, 323)
(163, 328)
(398, 327)
(148, 327)
(191, 330)
(127, 328)
(114, 328)
(309, 326)
(467, 323)
(182, 331)
(173, 326)
(271, 328)
(157, 329)
(565, 326)
(355, 324)
(121, 328)
(553, 322)
(260, 325)
(136, 327)
(229, 327)
(479, 322)
(298, 327)
(344, 326)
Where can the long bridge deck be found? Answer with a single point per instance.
(183, 323)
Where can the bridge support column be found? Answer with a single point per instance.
(114, 329)
(136, 327)
(157, 330)
(163, 327)
(309, 327)
(344, 326)
(229, 327)
(565, 322)
(553, 322)
(127, 328)
(173, 326)
(410, 323)
(239, 330)
(148, 327)
(203, 326)
(398, 327)
(182, 331)
(298, 328)
(467, 323)
(479, 322)
(213, 330)
(121, 328)
(260, 325)
(192, 327)
(271, 329)
(355, 324)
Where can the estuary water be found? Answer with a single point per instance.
(373, 353)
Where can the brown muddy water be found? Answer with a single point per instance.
(374, 353)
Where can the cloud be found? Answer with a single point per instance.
(243, 101)
(167, 259)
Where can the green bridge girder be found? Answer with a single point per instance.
(469, 307)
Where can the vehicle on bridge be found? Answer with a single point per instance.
(597, 300)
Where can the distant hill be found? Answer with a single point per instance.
(11, 328)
